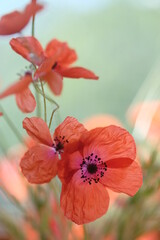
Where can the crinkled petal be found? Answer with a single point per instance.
(83, 203)
(15, 21)
(78, 72)
(126, 179)
(55, 82)
(26, 101)
(17, 87)
(109, 143)
(39, 164)
(70, 130)
(29, 48)
(38, 130)
(67, 56)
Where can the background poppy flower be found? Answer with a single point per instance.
(1, 114)
(106, 159)
(39, 164)
(54, 62)
(15, 21)
(17, 187)
(24, 98)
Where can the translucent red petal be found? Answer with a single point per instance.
(83, 203)
(29, 48)
(67, 56)
(26, 101)
(15, 21)
(78, 72)
(39, 164)
(38, 130)
(17, 87)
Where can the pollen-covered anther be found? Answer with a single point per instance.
(92, 168)
(59, 143)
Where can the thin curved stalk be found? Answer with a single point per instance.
(50, 100)
(44, 101)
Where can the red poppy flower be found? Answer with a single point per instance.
(54, 62)
(39, 164)
(105, 159)
(15, 21)
(24, 98)
(1, 114)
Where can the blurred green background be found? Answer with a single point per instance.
(118, 40)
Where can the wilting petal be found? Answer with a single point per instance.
(26, 101)
(38, 130)
(15, 21)
(126, 179)
(39, 164)
(109, 143)
(17, 87)
(29, 48)
(69, 132)
(78, 72)
(82, 202)
(55, 82)
(67, 56)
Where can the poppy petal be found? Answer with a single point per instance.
(55, 82)
(67, 56)
(17, 87)
(29, 48)
(15, 21)
(38, 130)
(78, 72)
(71, 130)
(26, 101)
(82, 202)
(127, 180)
(39, 164)
(68, 165)
(109, 143)
(45, 67)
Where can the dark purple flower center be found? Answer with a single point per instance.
(59, 143)
(92, 168)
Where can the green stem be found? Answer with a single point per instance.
(50, 121)
(44, 101)
(86, 236)
(12, 126)
(33, 22)
(37, 95)
(50, 100)
(38, 104)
